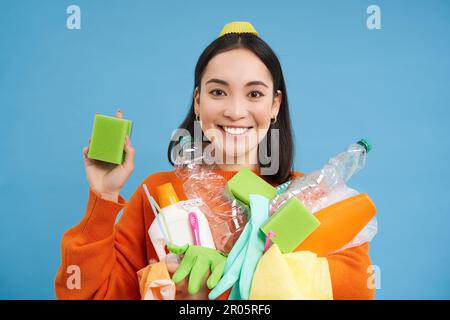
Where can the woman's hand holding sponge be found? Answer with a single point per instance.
(103, 177)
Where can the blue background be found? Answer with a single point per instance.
(344, 82)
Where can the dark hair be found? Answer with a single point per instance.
(268, 57)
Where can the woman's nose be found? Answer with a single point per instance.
(236, 110)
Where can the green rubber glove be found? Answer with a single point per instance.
(196, 262)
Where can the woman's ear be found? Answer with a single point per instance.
(196, 100)
(276, 103)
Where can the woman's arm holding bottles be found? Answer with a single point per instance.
(351, 274)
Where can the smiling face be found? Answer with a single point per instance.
(236, 104)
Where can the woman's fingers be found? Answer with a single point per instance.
(129, 150)
(85, 152)
(129, 154)
(87, 161)
(86, 149)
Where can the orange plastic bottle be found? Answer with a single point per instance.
(166, 195)
(339, 224)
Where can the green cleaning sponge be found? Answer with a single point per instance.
(292, 224)
(246, 182)
(108, 138)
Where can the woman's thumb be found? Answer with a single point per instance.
(129, 154)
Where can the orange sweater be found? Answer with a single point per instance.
(109, 255)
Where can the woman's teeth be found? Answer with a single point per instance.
(234, 130)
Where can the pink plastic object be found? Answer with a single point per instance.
(269, 235)
(193, 220)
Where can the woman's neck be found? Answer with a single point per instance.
(236, 167)
(249, 160)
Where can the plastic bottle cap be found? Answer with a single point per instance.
(166, 195)
(366, 144)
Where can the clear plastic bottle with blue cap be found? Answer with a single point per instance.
(324, 187)
(315, 189)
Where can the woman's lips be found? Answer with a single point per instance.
(235, 131)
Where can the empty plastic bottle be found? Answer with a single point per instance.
(314, 188)
(226, 217)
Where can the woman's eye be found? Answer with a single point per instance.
(255, 94)
(217, 92)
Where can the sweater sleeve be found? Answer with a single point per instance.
(102, 255)
(351, 274)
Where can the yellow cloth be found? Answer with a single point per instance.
(299, 275)
(155, 282)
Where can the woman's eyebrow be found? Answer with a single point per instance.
(251, 83)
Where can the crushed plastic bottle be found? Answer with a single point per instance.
(226, 217)
(327, 186)
(312, 189)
